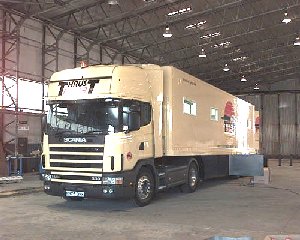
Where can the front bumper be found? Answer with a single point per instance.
(126, 190)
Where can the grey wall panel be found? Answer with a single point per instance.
(30, 50)
(287, 124)
(129, 60)
(297, 107)
(270, 119)
(82, 49)
(254, 100)
(280, 130)
(118, 59)
(95, 55)
(286, 84)
(29, 127)
(28, 57)
(107, 56)
(65, 62)
(66, 52)
(1, 27)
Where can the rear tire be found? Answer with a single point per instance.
(144, 187)
(192, 179)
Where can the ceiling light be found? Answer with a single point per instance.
(211, 35)
(286, 18)
(202, 54)
(222, 45)
(167, 33)
(297, 42)
(226, 68)
(243, 79)
(196, 25)
(113, 2)
(180, 11)
(239, 59)
(256, 87)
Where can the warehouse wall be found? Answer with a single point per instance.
(280, 118)
(43, 49)
(29, 127)
(57, 46)
(29, 140)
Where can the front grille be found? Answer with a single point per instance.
(77, 157)
(78, 165)
(73, 149)
(77, 177)
(74, 157)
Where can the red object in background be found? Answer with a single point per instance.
(129, 156)
(229, 110)
(83, 64)
(257, 120)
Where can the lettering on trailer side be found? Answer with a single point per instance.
(191, 82)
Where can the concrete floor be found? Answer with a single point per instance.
(219, 207)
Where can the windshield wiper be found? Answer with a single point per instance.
(58, 133)
(94, 131)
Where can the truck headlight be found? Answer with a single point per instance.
(112, 180)
(47, 177)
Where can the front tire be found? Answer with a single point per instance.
(192, 179)
(144, 187)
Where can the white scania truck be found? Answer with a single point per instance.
(129, 131)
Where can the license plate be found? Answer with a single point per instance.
(74, 194)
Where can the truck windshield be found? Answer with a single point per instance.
(97, 116)
(85, 116)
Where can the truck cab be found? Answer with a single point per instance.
(99, 132)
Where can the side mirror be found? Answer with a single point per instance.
(134, 108)
(44, 124)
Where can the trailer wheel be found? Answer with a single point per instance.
(192, 179)
(144, 187)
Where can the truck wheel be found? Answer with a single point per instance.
(192, 179)
(144, 187)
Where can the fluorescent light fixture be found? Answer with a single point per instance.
(222, 45)
(239, 59)
(202, 54)
(226, 68)
(256, 87)
(179, 12)
(113, 2)
(297, 42)
(196, 25)
(286, 19)
(211, 35)
(167, 33)
(243, 79)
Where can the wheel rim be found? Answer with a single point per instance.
(143, 187)
(193, 177)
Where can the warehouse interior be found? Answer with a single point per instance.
(250, 49)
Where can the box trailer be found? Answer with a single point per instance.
(129, 131)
